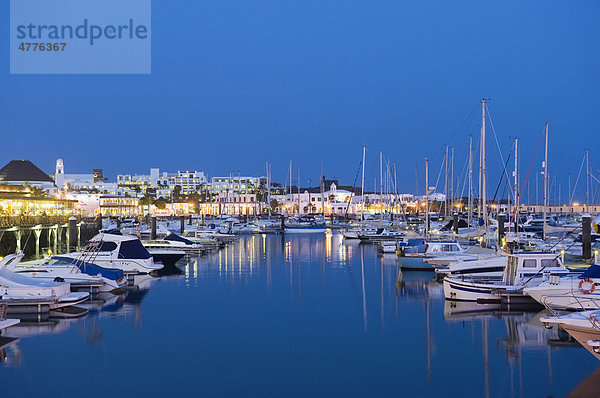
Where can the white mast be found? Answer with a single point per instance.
(426, 196)
(470, 200)
(381, 186)
(483, 172)
(545, 184)
(362, 213)
(516, 194)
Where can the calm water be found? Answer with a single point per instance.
(294, 316)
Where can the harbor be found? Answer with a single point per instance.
(299, 199)
(299, 314)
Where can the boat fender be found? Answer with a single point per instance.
(590, 282)
(58, 279)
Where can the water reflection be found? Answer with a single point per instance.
(307, 310)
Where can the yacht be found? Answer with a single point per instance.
(175, 242)
(573, 292)
(111, 249)
(582, 326)
(27, 295)
(521, 270)
(424, 259)
(301, 225)
(80, 274)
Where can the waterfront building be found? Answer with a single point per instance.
(23, 172)
(163, 183)
(19, 200)
(92, 182)
(113, 205)
(236, 184)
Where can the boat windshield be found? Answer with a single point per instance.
(133, 249)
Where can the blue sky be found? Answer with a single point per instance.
(237, 83)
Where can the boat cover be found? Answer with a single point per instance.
(93, 269)
(177, 238)
(592, 272)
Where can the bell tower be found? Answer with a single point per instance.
(59, 176)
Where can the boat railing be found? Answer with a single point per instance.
(88, 254)
(593, 317)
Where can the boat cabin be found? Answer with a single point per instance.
(523, 266)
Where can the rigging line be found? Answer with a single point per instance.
(464, 172)
(497, 145)
(571, 194)
(502, 177)
(439, 174)
(470, 117)
(353, 186)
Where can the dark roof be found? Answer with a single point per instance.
(23, 170)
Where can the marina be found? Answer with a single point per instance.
(299, 313)
(300, 199)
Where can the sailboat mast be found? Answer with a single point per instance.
(322, 192)
(516, 194)
(483, 172)
(470, 199)
(426, 196)
(381, 185)
(545, 183)
(362, 213)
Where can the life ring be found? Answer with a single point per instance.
(586, 291)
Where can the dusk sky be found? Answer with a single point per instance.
(237, 83)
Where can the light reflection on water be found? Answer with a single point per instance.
(301, 315)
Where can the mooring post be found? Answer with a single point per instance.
(182, 224)
(500, 228)
(99, 221)
(38, 233)
(153, 227)
(586, 237)
(119, 223)
(72, 237)
(455, 223)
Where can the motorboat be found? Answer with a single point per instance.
(582, 326)
(355, 232)
(111, 249)
(572, 292)
(301, 225)
(28, 295)
(424, 259)
(488, 268)
(521, 270)
(175, 242)
(381, 234)
(80, 274)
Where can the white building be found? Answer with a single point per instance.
(235, 184)
(83, 182)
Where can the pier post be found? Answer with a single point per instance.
(189, 219)
(500, 228)
(182, 224)
(586, 237)
(38, 233)
(72, 236)
(18, 235)
(99, 221)
(153, 227)
(455, 223)
(55, 243)
(119, 223)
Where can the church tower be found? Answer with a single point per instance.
(59, 176)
